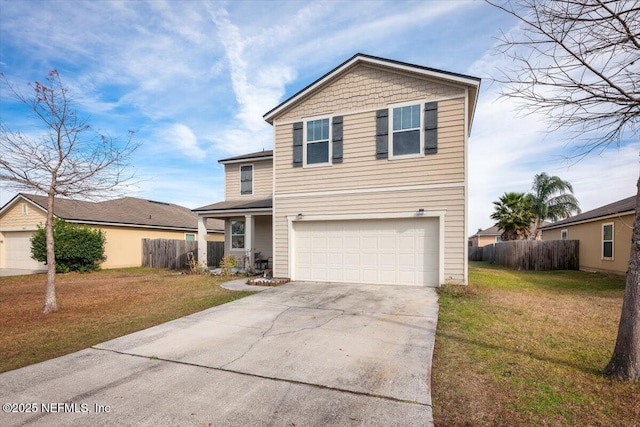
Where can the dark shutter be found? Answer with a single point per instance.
(297, 144)
(382, 134)
(336, 136)
(431, 128)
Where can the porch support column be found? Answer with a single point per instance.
(202, 241)
(248, 240)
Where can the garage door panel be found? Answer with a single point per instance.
(386, 251)
(18, 251)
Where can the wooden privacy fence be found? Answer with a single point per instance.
(166, 253)
(538, 255)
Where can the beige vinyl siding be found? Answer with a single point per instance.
(450, 200)
(365, 87)
(590, 236)
(263, 236)
(14, 220)
(262, 180)
(361, 169)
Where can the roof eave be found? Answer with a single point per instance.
(584, 221)
(245, 160)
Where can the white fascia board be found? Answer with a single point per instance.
(232, 212)
(247, 160)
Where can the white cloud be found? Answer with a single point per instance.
(183, 141)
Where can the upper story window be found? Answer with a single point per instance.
(317, 145)
(190, 237)
(405, 138)
(607, 241)
(564, 234)
(246, 179)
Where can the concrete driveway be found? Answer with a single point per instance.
(303, 354)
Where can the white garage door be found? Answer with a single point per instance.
(386, 251)
(18, 250)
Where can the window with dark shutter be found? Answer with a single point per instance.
(431, 128)
(382, 134)
(317, 142)
(336, 136)
(297, 144)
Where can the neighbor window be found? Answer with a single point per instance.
(607, 241)
(25, 209)
(564, 234)
(189, 237)
(317, 142)
(406, 130)
(246, 179)
(237, 234)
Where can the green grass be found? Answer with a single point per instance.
(528, 348)
(96, 307)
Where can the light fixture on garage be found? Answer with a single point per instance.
(420, 212)
(300, 216)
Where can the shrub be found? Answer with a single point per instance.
(76, 248)
(227, 263)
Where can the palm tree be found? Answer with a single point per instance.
(513, 215)
(549, 199)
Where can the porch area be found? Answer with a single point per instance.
(248, 234)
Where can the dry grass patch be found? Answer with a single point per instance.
(528, 348)
(95, 307)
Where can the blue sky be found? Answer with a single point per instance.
(193, 79)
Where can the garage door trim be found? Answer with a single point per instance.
(292, 219)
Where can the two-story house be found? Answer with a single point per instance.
(367, 181)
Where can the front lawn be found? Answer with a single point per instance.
(95, 307)
(528, 348)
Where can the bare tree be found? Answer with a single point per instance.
(66, 158)
(577, 63)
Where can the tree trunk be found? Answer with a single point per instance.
(625, 362)
(50, 303)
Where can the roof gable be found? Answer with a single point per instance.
(440, 77)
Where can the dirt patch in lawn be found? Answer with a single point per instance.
(523, 348)
(95, 307)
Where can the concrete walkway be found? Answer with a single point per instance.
(303, 354)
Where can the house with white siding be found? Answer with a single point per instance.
(366, 182)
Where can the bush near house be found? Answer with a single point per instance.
(76, 248)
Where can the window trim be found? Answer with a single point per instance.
(240, 166)
(233, 235)
(329, 161)
(565, 232)
(603, 241)
(195, 238)
(420, 153)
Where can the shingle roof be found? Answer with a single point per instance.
(238, 205)
(495, 231)
(125, 211)
(256, 155)
(621, 206)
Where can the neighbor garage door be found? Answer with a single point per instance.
(387, 251)
(18, 250)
